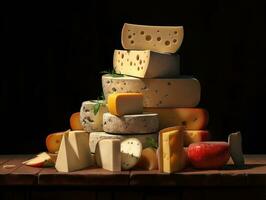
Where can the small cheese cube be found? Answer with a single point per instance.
(131, 124)
(162, 39)
(146, 64)
(74, 152)
(91, 115)
(108, 155)
(125, 103)
(131, 149)
(191, 118)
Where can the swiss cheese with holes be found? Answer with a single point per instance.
(162, 39)
(146, 64)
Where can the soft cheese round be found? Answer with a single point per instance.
(89, 119)
(163, 93)
(95, 137)
(131, 124)
(131, 149)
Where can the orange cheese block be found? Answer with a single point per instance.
(75, 121)
(192, 136)
(190, 118)
(53, 141)
(125, 103)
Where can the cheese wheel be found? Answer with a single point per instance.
(89, 118)
(95, 137)
(125, 103)
(191, 118)
(162, 39)
(131, 124)
(163, 93)
(75, 122)
(131, 149)
(146, 64)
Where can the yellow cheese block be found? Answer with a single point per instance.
(125, 103)
(162, 39)
(172, 155)
(190, 118)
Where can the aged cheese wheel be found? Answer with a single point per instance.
(167, 93)
(131, 124)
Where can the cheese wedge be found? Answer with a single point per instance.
(146, 64)
(193, 136)
(162, 39)
(190, 118)
(95, 137)
(74, 152)
(108, 155)
(131, 149)
(125, 103)
(172, 155)
(167, 93)
(131, 124)
(91, 115)
(235, 149)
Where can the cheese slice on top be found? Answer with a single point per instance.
(161, 39)
(146, 64)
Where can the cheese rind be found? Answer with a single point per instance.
(90, 120)
(146, 64)
(131, 149)
(125, 103)
(94, 137)
(131, 124)
(74, 152)
(108, 154)
(191, 118)
(172, 155)
(171, 93)
(162, 39)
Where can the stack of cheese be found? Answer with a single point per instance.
(151, 67)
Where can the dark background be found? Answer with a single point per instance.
(52, 56)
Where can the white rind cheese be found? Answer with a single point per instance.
(74, 152)
(131, 149)
(171, 93)
(108, 154)
(162, 39)
(95, 137)
(146, 64)
(131, 124)
(88, 119)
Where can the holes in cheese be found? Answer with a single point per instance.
(97, 136)
(125, 103)
(191, 118)
(131, 149)
(171, 93)
(162, 39)
(108, 154)
(146, 64)
(91, 115)
(128, 124)
(172, 155)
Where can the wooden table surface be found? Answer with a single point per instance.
(29, 183)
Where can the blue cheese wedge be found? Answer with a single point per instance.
(131, 149)
(91, 115)
(131, 124)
